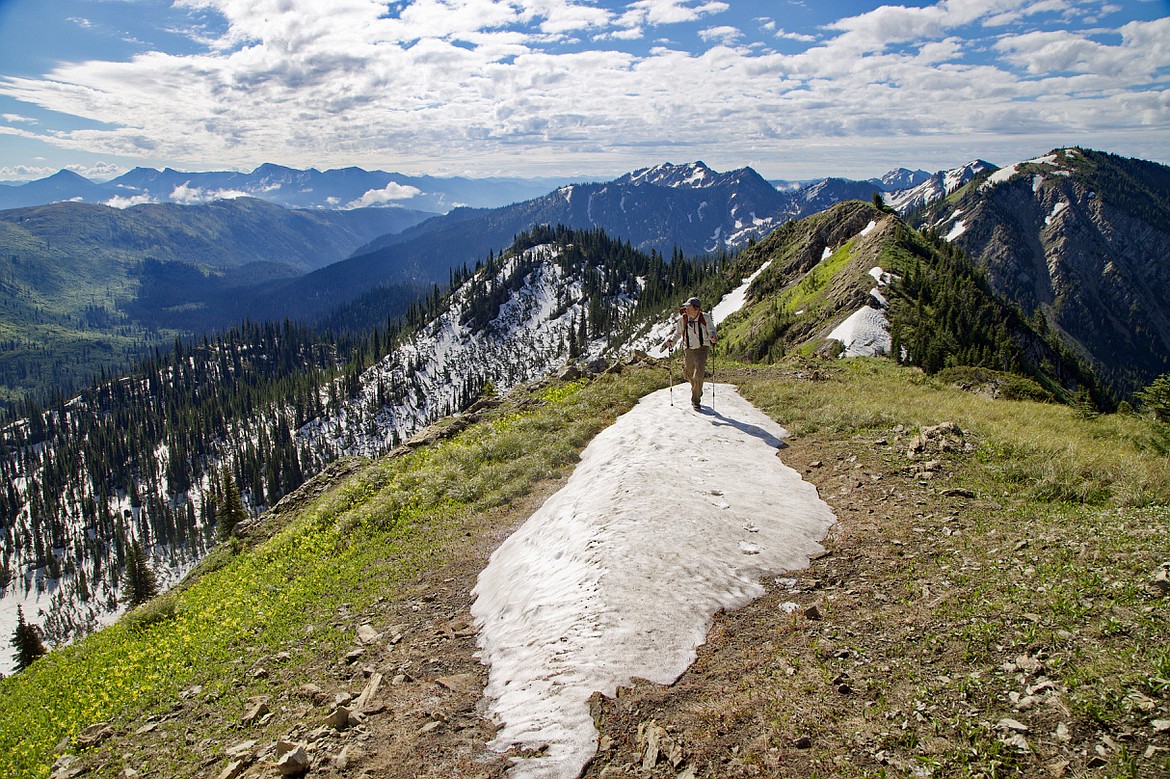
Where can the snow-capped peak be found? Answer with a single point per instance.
(1054, 160)
(694, 175)
(936, 187)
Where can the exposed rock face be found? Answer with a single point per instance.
(1081, 238)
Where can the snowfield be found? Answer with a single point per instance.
(671, 516)
(864, 334)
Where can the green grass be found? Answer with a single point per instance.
(810, 291)
(1071, 521)
(1046, 450)
(353, 545)
(757, 332)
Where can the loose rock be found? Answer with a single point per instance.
(94, 735)
(254, 714)
(291, 759)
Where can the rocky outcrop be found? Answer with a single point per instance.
(1079, 239)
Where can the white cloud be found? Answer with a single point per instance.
(657, 12)
(723, 34)
(23, 172)
(126, 202)
(98, 171)
(17, 119)
(488, 84)
(185, 194)
(1143, 53)
(626, 34)
(390, 193)
(794, 36)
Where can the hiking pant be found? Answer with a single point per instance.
(694, 369)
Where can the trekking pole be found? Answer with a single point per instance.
(712, 378)
(670, 374)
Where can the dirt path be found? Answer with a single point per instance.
(429, 720)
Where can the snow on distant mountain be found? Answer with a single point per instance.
(685, 207)
(332, 189)
(900, 178)
(936, 187)
(695, 175)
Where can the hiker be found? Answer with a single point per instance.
(696, 331)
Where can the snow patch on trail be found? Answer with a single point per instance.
(671, 516)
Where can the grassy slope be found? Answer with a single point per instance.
(359, 543)
(925, 595)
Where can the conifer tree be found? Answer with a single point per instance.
(1156, 397)
(140, 583)
(229, 509)
(27, 640)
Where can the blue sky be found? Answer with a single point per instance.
(592, 88)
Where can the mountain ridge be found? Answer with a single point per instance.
(343, 188)
(1079, 239)
(558, 294)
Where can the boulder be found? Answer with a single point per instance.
(256, 712)
(291, 759)
(656, 744)
(937, 439)
(459, 682)
(94, 735)
(66, 767)
(597, 366)
(367, 635)
(232, 770)
(343, 717)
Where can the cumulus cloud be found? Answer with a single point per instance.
(1144, 52)
(487, 84)
(126, 202)
(659, 12)
(98, 171)
(391, 193)
(22, 172)
(188, 195)
(723, 34)
(794, 36)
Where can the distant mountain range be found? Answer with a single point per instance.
(343, 188)
(690, 209)
(87, 287)
(184, 281)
